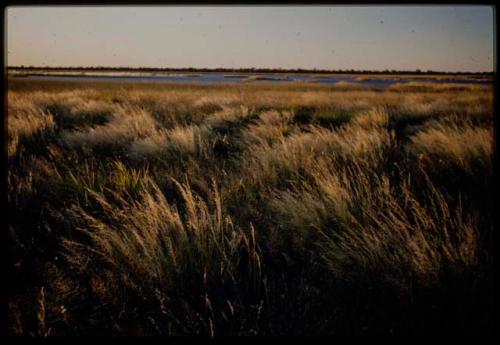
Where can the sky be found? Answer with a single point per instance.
(441, 38)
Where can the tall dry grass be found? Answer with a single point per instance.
(368, 227)
(125, 125)
(463, 146)
(157, 248)
(23, 121)
(249, 209)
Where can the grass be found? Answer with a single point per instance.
(244, 209)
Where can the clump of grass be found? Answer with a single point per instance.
(298, 153)
(269, 128)
(88, 113)
(125, 125)
(157, 249)
(148, 147)
(370, 228)
(24, 121)
(273, 117)
(190, 140)
(228, 119)
(465, 147)
(374, 118)
(127, 179)
(114, 178)
(174, 145)
(457, 155)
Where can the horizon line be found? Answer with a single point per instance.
(256, 69)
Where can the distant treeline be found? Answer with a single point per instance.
(240, 70)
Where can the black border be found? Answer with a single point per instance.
(3, 171)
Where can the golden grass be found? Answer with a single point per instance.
(292, 156)
(125, 125)
(371, 228)
(23, 121)
(463, 146)
(151, 239)
(433, 87)
(214, 210)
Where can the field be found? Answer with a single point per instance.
(271, 209)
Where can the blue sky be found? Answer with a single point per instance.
(446, 38)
